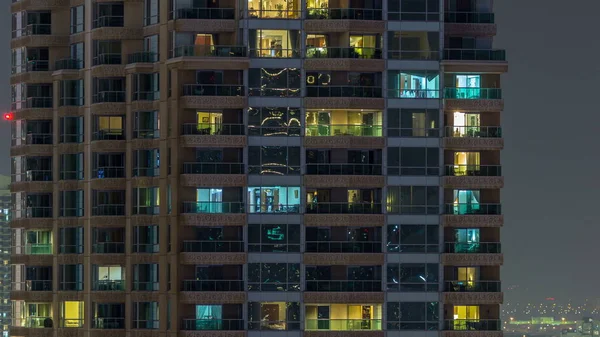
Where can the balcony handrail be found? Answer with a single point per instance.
(146, 133)
(472, 93)
(473, 170)
(71, 101)
(212, 285)
(38, 102)
(142, 57)
(343, 169)
(206, 246)
(108, 210)
(211, 51)
(205, 129)
(32, 175)
(475, 54)
(38, 29)
(108, 323)
(37, 65)
(344, 91)
(107, 58)
(344, 13)
(145, 247)
(408, 93)
(32, 322)
(109, 21)
(472, 286)
(108, 248)
(274, 14)
(145, 95)
(108, 285)
(213, 90)
(68, 64)
(33, 249)
(268, 52)
(204, 13)
(109, 134)
(144, 285)
(473, 247)
(108, 172)
(473, 209)
(213, 168)
(197, 207)
(343, 208)
(473, 131)
(345, 324)
(343, 285)
(31, 212)
(344, 52)
(422, 55)
(472, 324)
(33, 139)
(469, 17)
(109, 96)
(32, 285)
(212, 324)
(343, 246)
(70, 249)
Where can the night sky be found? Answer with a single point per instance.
(551, 120)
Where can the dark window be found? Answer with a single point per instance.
(413, 200)
(273, 238)
(413, 316)
(273, 277)
(413, 277)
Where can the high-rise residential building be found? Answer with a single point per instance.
(238, 168)
(5, 268)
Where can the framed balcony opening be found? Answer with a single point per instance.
(146, 163)
(416, 84)
(145, 239)
(202, 9)
(108, 240)
(415, 316)
(227, 239)
(271, 43)
(109, 128)
(343, 278)
(343, 201)
(108, 90)
(70, 240)
(209, 200)
(413, 277)
(146, 201)
(146, 124)
(343, 317)
(107, 52)
(108, 165)
(110, 14)
(366, 123)
(108, 315)
(274, 122)
(466, 124)
(70, 277)
(413, 238)
(145, 315)
(32, 314)
(38, 242)
(466, 317)
(204, 317)
(108, 278)
(274, 9)
(276, 199)
(466, 202)
(213, 278)
(271, 238)
(410, 45)
(71, 314)
(145, 277)
(273, 277)
(274, 160)
(274, 316)
(343, 240)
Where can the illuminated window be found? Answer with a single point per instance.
(273, 316)
(343, 317)
(72, 314)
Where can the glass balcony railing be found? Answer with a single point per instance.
(344, 169)
(474, 170)
(71, 101)
(468, 17)
(32, 212)
(71, 322)
(473, 93)
(343, 208)
(107, 58)
(108, 323)
(474, 131)
(274, 14)
(38, 29)
(71, 286)
(343, 52)
(343, 14)
(32, 285)
(343, 324)
(342, 247)
(109, 285)
(343, 285)
(145, 247)
(473, 286)
(71, 249)
(212, 207)
(472, 209)
(213, 246)
(109, 134)
(414, 93)
(145, 286)
(213, 168)
(204, 13)
(108, 248)
(275, 52)
(142, 57)
(210, 51)
(109, 97)
(38, 65)
(33, 322)
(343, 91)
(38, 102)
(326, 130)
(213, 285)
(108, 210)
(472, 324)
(205, 129)
(145, 95)
(213, 90)
(108, 172)
(68, 64)
(109, 21)
(37, 249)
(475, 54)
(33, 175)
(34, 139)
(472, 247)
(145, 323)
(212, 324)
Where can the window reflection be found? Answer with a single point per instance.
(274, 121)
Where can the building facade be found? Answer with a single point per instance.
(231, 168)
(5, 243)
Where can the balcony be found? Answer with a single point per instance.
(32, 285)
(344, 169)
(344, 20)
(213, 135)
(213, 285)
(38, 29)
(343, 208)
(217, 90)
(68, 64)
(204, 13)
(36, 322)
(472, 248)
(107, 59)
(38, 103)
(473, 177)
(473, 137)
(472, 325)
(472, 286)
(469, 24)
(343, 247)
(108, 248)
(480, 60)
(108, 323)
(109, 97)
(343, 324)
(40, 180)
(348, 59)
(473, 99)
(343, 286)
(108, 285)
(343, 91)
(211, 173)
(210, 51)
(213, 96)
(472, 292)
(213, 246)
(142, 57)
(474, 55)
(215, 57)
(472, 209)
(108, 210)
(343, 97)
(213, 207)
(109, 21)
(358, 130)
(212, 324)
(34, 249)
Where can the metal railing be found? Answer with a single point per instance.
(146, 171)
(71, 175)
(414, 93)
(71, 322)
(145, 324)
(109, 21)
(145, 247)
(343, 91)
(273, 131)
(213, 168)
(38, 102)
(108, 285)
(109, 134)
(146, 133)
(213, 285)
(473, 247)
(109, 96)
(210, 51)
(343, 208)
(276, 209)
(423, 55)
(343, 285)
(468, 17)
(343, 247)
(33, 139)
(70, 138)
(145, 95)
(108, 172)
(275, 53)
(33, 322)
(472, 286)
(33, 175)
(343, 52)
(145, 210)
(212, 207)
(108, 248)
(274, 13)
(71, 101)
(204, 13)
(413, 132)
(362, 130)
(33, 249)
(212, 246)
(472, 324)
(107, 58)
(212, 324)
(343, 14)
(38, 65)
(473, 170)
(145, 286)
(474, 131)
(38, 29)
(472, 209)
(142, 57)
(70, 249)
(108, 210)
(475, 54)
(344, 169)
(274, 92)
(205, 129)
(32, 285)
(108, 323)
(343, 324)
(472, 93)
(213, 90)
(70, 286)
(32, 212)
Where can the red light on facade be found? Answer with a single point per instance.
(8, 116)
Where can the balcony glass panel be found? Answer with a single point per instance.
(343, 13)
(468, 17)
(108, 316)
(411, 45)
(413, 238)
(414, 316)
(415, 84)
(413, 200)
(278, 9)
(271, 238)
(32, 315)
(212, 323)
(109, 278)
(276, 199)
(472, 286)
(356, 317)
(204, 13)
(72, 314)
(475, 54)
(274, 82)
(270, 43)
(213, 90)
(473, 325)
(413, 277)
(343, 240)
(412, 123)
(142, 57)
(273, 316)
(274, 160)
(275, 122)
(273, 277)
(341, 122)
